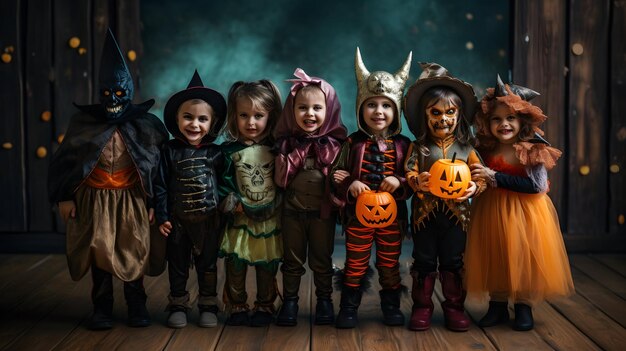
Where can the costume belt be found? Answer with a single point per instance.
(122, 179)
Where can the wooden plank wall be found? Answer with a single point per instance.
(51, 58)
(587, 112)
(573, 52)
(538, 60)
(617, 124)
(12, 172)
(38, 111)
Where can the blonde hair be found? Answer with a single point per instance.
(263, 94)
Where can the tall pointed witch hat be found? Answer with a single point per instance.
(113, 68)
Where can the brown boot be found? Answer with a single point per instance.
(422, 291)
(453, 310)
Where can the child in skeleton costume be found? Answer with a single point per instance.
(515, 247)
(187, 197)
(309, 135)
(437, 107)
(372, 159)
(250, 198)
(101, 177)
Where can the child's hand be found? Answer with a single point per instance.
(471, 189)
(357, 187)
(340, 175)
(423, 182)
(67, 209)
(483, 173)
(389, 184)
(151, 215)
(165, 228)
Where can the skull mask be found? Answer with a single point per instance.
(255, 175)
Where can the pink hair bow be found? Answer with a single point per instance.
(302, 81)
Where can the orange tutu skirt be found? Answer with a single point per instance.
(515, 248)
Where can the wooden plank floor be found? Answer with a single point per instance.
(43, 309)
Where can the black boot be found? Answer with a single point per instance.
(390, 304)
(523, 317)
(102, 318)
(350, 301)
(102, 298)
(497, 313)
(288, 315)
(136, 297)
(324, 312)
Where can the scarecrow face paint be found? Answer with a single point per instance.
(442, 118)
(255, 175)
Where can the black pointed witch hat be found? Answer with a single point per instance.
(114, 73)
(113, 68)
(196, 90)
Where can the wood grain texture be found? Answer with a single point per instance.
(604, 299)
(539, 34)
(617, 122)
(53, 313)
(13, 173)
(38, 98)
(588, 116)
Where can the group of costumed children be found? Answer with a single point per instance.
(271, 195)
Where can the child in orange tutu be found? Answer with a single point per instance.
(515, 248)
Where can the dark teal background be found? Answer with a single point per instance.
(249, 40)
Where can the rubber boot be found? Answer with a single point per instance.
(350, 301)
(102, 298)
(453, 310)
(422, 291)
(288, 315)
(324, 311)
(523, 317)
(136, 297)
(390, 305)
(498, 313)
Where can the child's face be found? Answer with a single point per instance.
(251, 120)
(442, 117)
(504, 125)
(309, 109)
(194, 120)
(378, 114)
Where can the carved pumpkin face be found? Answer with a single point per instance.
(376, 210)
(449, 179)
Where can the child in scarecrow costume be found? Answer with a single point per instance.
(372, 159)
(101, 177)
(437, 108)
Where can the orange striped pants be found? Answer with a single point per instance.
(359, 241)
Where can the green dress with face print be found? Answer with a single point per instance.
(252, 234)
